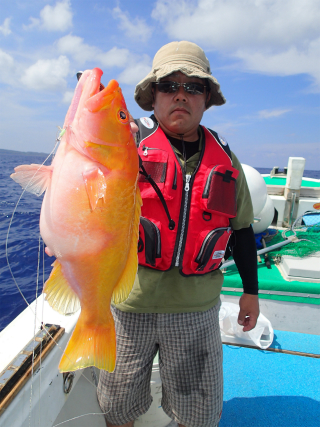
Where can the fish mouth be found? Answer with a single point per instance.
(79, 74)
(91, 93)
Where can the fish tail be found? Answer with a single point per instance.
(90, 345)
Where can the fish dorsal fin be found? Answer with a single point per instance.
(33, 178)
(96, 185)
(58, 292)
(126, 281)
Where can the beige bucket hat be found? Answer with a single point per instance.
(183, 56)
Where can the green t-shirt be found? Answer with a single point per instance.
(157, 291)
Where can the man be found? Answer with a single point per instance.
(184, 233)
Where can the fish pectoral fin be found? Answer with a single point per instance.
(96, 185)
(33, 178)
(129, 275)
(58, 292)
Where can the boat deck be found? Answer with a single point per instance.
(273, 286)
(263, 388)
(281, 180)
(278, 386)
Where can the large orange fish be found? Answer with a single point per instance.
(90, 217)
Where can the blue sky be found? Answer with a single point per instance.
(264, 53)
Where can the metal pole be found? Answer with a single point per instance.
(265, 250)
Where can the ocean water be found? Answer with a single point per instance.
(23, 239)
(22, 243)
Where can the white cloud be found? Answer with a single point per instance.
(74, 46)
(228, 25)
(7, 67)
(269, 36)
(136, 28)
(289, 62)
(67, 97)
(53, 18)
(135, 71)
(267, 114)
(114, 57)
(82, 52)
(6, 61)
(136, 67)
(35, 22)
(47, 74)
(5, 27)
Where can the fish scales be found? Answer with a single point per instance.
(89, 218)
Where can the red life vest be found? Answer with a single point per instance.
(200, 204)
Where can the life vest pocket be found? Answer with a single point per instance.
(149, 244)
(220, 191)
(155, 163)
(210, 249)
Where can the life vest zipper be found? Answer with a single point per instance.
(145, 149)
(208, 237)
(205, 194)
(184, 217)
(186, 196)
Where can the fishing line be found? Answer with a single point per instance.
(91, 413)
(34, 331)
(11, 272)
(42, 314)
(62, 131)
(11, 220)
(80, 416)
(35, 319)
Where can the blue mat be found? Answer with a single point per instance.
(311, 219)
(267, 389)
(297, 342)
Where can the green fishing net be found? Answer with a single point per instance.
(308, 244)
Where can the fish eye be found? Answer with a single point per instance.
(123, 116)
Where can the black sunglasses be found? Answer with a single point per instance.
(190, 88)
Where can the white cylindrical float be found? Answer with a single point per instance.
(257, 188)
(263, 207)
(266, 216)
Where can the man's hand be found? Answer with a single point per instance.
(249, 311)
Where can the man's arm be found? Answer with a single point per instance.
(245, 257)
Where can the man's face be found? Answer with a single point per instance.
(180, 112)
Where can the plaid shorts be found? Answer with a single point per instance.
(190, 363)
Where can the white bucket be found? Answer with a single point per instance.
(155, 417)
